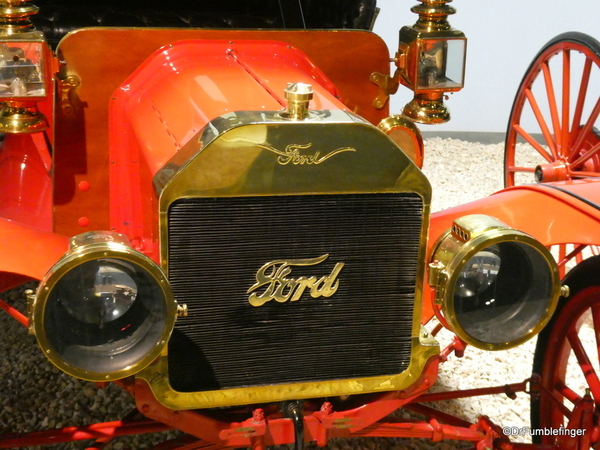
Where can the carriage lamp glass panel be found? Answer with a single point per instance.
(21, 70)
(503, 292)
(105, 315)
(440, 64)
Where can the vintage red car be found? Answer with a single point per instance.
(228, 224)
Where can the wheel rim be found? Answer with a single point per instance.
(558, 99)
(571, 363)
(558, 102)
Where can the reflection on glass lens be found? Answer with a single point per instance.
(106, 293)
(503, 293)
(105, 315)
(479, 272)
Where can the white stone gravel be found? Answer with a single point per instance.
(34, 395)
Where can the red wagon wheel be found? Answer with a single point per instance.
(553, 128)
(567, 358)
(553, 131)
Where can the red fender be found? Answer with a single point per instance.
(27, 253)
(555, 213)
(25, 180)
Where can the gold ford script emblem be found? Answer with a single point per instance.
(293, 154)
(281, 289)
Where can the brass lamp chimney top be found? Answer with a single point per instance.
(15, 16)
(298, 96)
(433, 15)
(431, 61)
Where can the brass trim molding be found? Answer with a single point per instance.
(156, 375)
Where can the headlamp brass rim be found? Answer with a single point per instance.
(453, 263)
(76, 257)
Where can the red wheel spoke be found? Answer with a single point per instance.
(564, 259)
(581, 174)
(562, 256)
(531, 141)
(584, 362)
(596, 320)
(552, 105)
(567, 392)
(587, 155)
(585, 81)
(542, 123)
(566, 98)
(521, 169)
(587, 127)
(562, 252)
(556, 403)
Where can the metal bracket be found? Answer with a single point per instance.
(387, 86)
(66, 85)
(30, 295)
(437, 279)
(250, 428)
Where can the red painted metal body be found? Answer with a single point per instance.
(173, 95)
(25, 181)
(28, 253)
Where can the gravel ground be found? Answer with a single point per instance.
(35, 395)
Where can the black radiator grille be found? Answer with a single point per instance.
(216, 247)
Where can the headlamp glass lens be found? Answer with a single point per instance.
(479, 272)
(105, 315)
(107, 292)
(503, 292)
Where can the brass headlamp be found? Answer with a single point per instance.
(104, 311)
(496, 286)
(431, 61)
(23, 69)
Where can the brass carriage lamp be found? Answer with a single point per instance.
(431, 61)
(23, 70)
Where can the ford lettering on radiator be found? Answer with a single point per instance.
(281, 289)
(292, 153)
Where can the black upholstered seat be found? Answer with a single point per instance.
(57, 17)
